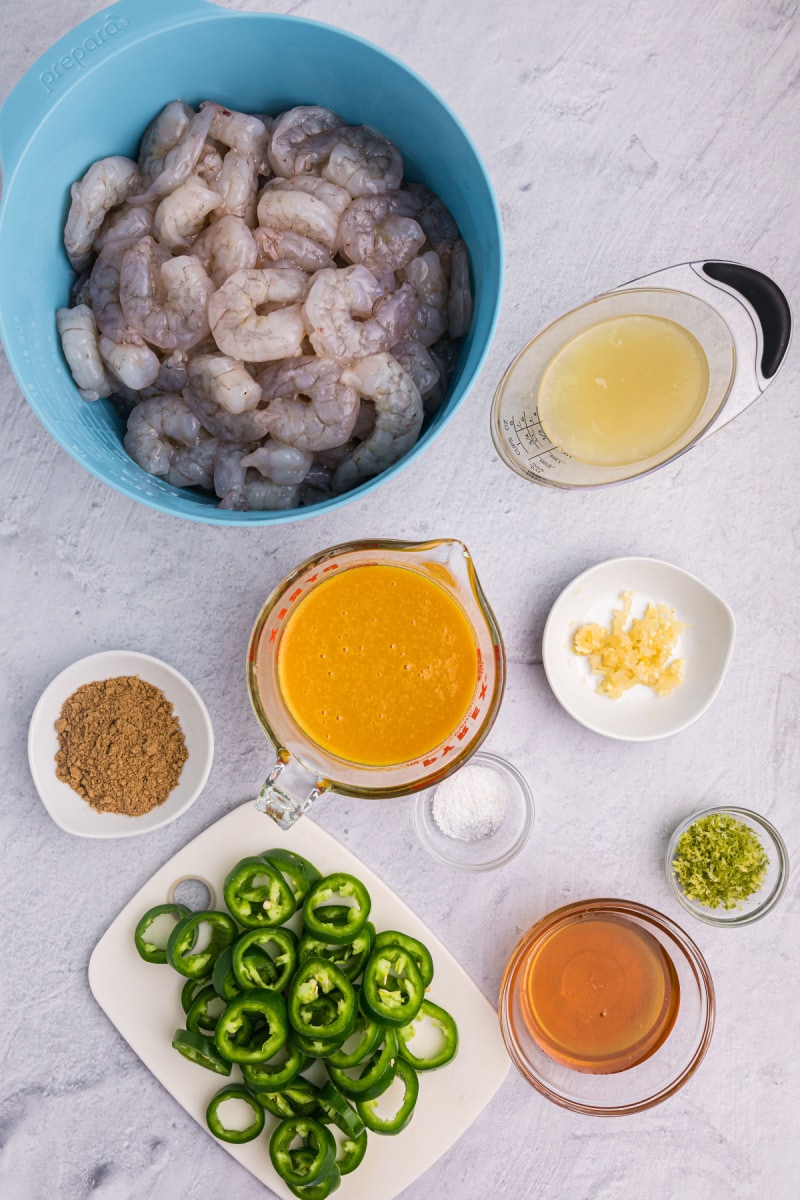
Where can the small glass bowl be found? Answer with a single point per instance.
(771, 890)
(490, 852)
(641, 1086)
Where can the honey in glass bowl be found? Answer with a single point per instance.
(600, 994)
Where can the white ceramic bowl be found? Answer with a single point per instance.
(66, 807)
(639, 715)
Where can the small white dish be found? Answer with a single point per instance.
(69, 810)
(639, 715)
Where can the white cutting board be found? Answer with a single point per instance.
(143, 1001)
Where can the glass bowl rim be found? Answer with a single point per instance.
(478, 758)
(696, 961)
(716, 916)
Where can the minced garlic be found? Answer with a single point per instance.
(638, 654)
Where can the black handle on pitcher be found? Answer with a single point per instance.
(769, 302)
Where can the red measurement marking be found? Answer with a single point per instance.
(483, 692)
(295, 594)
(273, 635)
(462, 733)
(427, 762)
(332, 567)
(282, 613)
(474, 714)
(480, 664)
(312, 579)
(446, 750)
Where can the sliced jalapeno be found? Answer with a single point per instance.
(373, 1077)
(349, 958)
(302, 1172)
(223, 978)
(367, 1109)
(392, 990)
(179, 947)
(321, 1190)
(257, 894)
(281, 1070)
(224, 1132)
(148, 948)
(322, 1003)
(267, 1013)
(448, 1029)
(299, 873)
(200, 1050)
(351, 1152)
(191, 990)
(205, 1011)
(319, 1047)
(321, 924)
(256, 965)
(419, 952)
(368, 1034)
(339, 1110)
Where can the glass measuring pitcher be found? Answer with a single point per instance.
(740, 317)
(303, 770)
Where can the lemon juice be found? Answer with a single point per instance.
(623, 390)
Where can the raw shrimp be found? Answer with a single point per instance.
(238, 328)
(225, 247)
(124, 226)
(309, 406)
(226, 382)
(459, 304)
(413, 356)
(172, 373)
(426, 273)
(364, 162)
(398, 418)
(238, 130)
(181, 160)
(163, 132)
(336, 298)
(205, 382)
(104, 292)
(80, 292)
(274, 245)
(331, 194)
(300, 212)
(209, 164)
(237, 185)
(379, 232)
(434, 217)
(105, 184)
(317, 485)
(78, 334)
(166, 439)
(259, 477)
(136, 366)
(181, 215)
(165, 298)
(287, 152)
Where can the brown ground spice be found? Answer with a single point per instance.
(121, 746)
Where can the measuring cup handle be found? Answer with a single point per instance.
(768, 303)
(278, 802)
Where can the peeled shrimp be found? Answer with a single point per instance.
(427, 275)
(163, 132)
(225, 247)
(78, 334)
(209, 379)
(336, 198)
(209, 164)
(237, 185)
(104, 293)
(105, 184)
(434, 217)
(300, 212)
(123, 227)
(287, 151)
(414, 357)
(172, 373)
(165, 298)
(375, 231)
(181, 160)
(261, 477)
(227, 382)
(309, 406)
(364, 162)
(274, 245)
(238, 328)
(181, 215)
(166, 439)
(459, 304)
(336, 298)
(398, 418)
(136, 366)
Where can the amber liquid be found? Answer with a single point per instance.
(600, 994)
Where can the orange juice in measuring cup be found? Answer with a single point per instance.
(375, 669)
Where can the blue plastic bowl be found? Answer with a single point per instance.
(93, 93)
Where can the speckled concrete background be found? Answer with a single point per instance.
(621, 137)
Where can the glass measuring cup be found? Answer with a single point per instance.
(303, 770)
(739, 316)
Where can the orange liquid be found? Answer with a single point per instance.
(378, 665)
(600, 995)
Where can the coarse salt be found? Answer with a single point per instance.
(471, 804)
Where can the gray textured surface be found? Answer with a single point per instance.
(621, 137)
